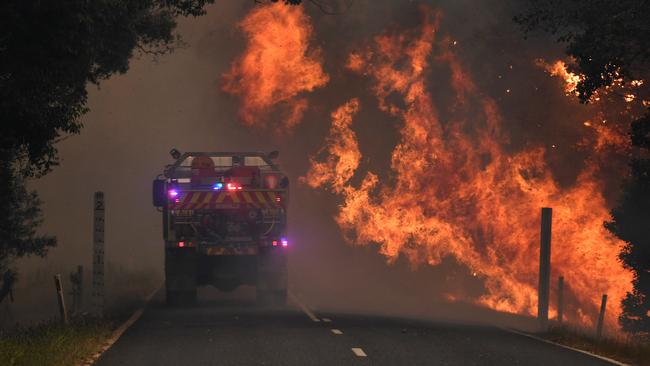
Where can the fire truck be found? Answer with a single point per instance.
(224, 219)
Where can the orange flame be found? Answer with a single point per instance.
(342, 149)
(277, 67)
(457, 191)
(559, 69)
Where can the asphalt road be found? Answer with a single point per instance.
(237, 332)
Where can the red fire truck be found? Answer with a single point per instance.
(224, 218)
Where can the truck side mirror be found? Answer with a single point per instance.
(274, 154)
(159, 193)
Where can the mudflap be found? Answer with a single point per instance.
(272, 277)
(180, 276)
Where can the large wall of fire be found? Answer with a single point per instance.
(456, 186)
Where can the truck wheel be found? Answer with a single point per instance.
(180, 276)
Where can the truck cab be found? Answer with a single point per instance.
(224, 217)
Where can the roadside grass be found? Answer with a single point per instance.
(627, 350)
(54, 344)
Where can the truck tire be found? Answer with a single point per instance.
(272, 278)
(180, 276)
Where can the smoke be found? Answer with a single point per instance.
(178, 100)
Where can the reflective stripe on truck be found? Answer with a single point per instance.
(197, 200)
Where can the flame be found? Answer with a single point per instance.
(559, 69)
(278, 66)
(458, 192)
(606, 137)
(342, 149)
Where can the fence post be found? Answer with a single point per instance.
(544, 268)
(601, 317)
(560, 299)
(61, 300)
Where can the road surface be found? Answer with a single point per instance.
(236, 332)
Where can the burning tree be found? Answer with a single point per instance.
(610, 43)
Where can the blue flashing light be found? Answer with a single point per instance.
(217, 186)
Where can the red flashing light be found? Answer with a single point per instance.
(275, 243)
(181, 244)
(278, 199)
(233, 187)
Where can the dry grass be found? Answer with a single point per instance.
(627, 350)
(54, 344)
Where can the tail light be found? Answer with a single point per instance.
(234, 187)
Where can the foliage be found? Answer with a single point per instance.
(630, 223)
(51, 49)
(609, 39)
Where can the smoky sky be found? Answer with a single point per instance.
(176, 101)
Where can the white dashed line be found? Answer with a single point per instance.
(359, 352)
(327, 320)
(304, 308)
(336, 331)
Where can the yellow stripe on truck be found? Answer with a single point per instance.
(249, 199)
(222, 196)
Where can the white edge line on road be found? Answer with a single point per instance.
(117, 333)
(607, 359)
(359, 352)
(304, 308)
(336, 331)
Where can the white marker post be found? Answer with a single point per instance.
(98, 255)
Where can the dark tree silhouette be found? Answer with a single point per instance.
(49, 51)
(610, 40)
(607, 38)
(630, 221)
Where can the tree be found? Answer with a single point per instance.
(630, 223)
(22, 217)
(49, 51)
(610, 43)
(609, 39)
